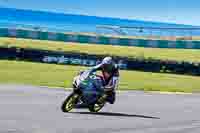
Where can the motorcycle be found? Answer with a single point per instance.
(87, 90)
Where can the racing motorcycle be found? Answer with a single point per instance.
(87, 90)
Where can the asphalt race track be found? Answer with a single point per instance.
(27, 109)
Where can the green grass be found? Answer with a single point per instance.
(170, 54)
(39, 74)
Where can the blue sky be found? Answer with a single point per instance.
(173, 11)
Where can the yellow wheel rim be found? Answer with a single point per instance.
(97, 107)
(70, 103)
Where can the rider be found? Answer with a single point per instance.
(110, 74)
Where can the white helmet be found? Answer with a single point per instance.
(107, 60)
(108, 64)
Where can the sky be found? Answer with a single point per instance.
(172, 11)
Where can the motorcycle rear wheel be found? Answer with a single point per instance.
(96, 107)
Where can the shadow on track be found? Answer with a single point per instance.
(114, 114)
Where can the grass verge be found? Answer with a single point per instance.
(190, 55)
(39, 74)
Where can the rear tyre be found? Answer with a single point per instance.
(70, 102)
(96, 107)
(99, 104)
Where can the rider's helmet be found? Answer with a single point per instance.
(108, 65)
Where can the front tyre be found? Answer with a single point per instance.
(70, 102)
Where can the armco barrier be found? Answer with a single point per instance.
(148, 65)
(104, 40)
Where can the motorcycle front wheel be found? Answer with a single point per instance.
(70, 102)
